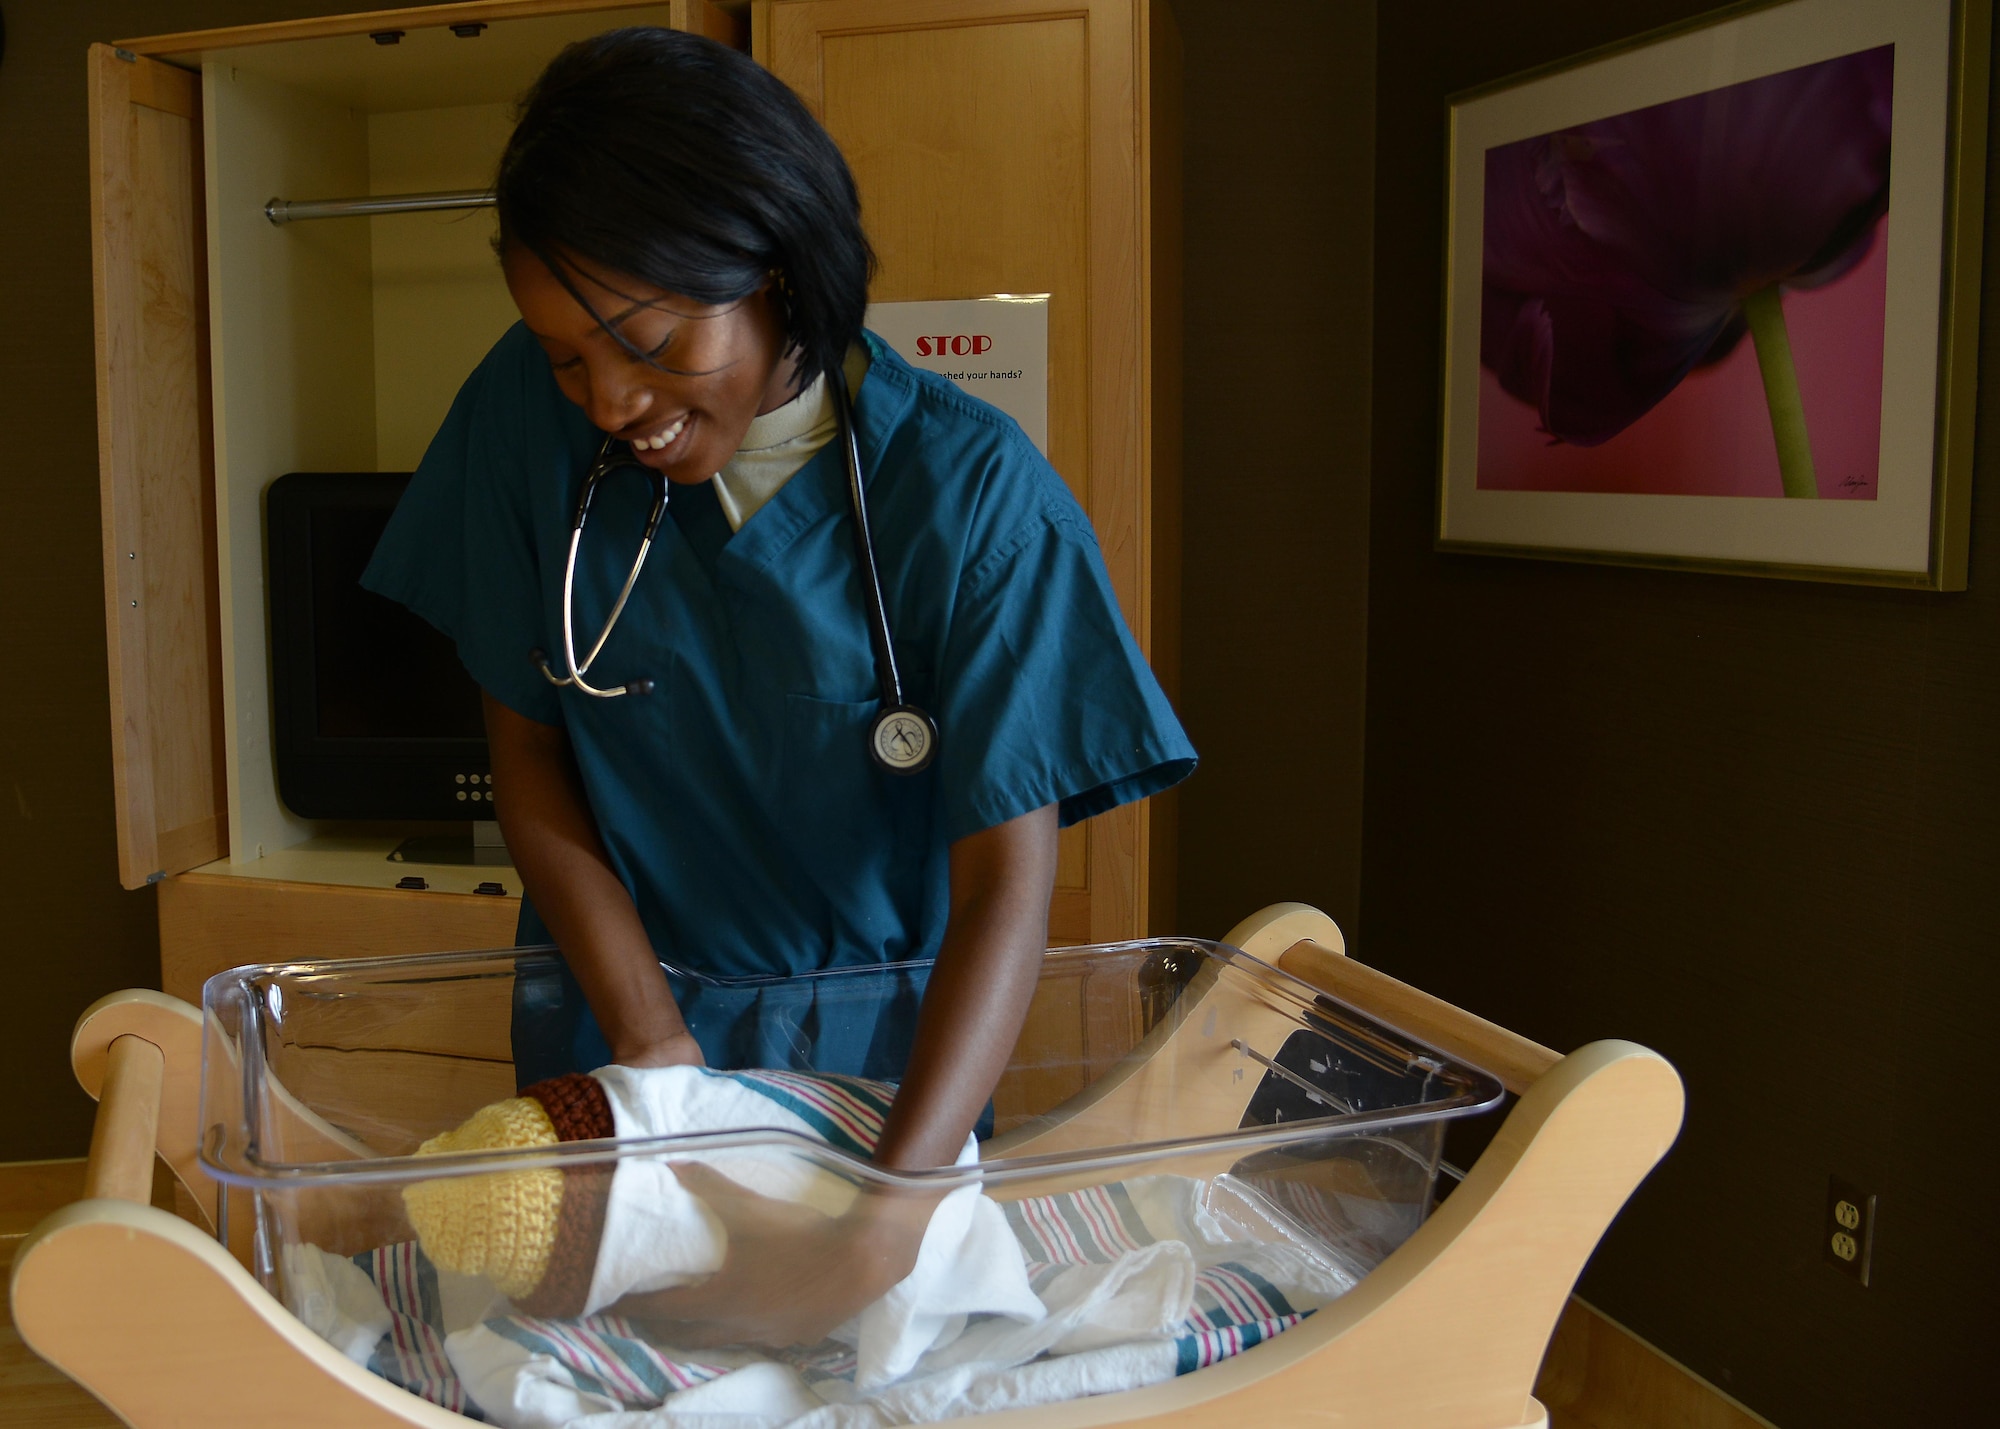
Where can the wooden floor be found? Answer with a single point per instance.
(1599, 1375)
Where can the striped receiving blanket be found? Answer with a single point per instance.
(1139, 1281)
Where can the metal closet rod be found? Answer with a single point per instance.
(291, 210)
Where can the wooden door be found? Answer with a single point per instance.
(1005, 146)
(156, 465)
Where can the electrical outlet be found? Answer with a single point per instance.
(1848, 1236)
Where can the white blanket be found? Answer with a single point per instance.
(528, 1380)
(1112, 1320)
(1137, 1281)
(1082, 1292)
(658, 1235)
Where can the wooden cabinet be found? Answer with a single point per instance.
(211, 922)
(1000, 146)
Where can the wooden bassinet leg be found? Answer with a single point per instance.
(174, 1029)
(128, 1118)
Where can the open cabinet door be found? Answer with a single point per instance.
(156, 464)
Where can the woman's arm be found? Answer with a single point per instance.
(552, 837)
(790, 1274)
(1001, 881)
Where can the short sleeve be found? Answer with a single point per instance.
(460, 550)
(1047, 699)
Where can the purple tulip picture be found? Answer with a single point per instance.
(1627, 259)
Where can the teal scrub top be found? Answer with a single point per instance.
(737, 801)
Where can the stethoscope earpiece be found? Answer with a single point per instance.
(903, 739)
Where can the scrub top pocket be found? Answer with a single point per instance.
(862, 835)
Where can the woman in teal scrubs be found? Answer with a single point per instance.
(684, 244)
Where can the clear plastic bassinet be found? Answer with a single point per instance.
(1178, 1120)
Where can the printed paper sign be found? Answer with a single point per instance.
(996, 348)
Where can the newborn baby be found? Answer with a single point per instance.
(565, 1242)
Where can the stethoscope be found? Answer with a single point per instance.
(902, 739)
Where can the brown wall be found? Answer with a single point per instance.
(75, 934)
(1279, 164)
(1754, 824)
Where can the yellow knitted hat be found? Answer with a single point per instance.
(501, 1225)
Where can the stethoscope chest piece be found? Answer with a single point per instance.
(903, 739)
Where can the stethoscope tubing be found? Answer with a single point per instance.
(902, 738)
(578, 669)
(886, 674)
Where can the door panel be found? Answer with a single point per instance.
(156, 465)
(970, 145)
(997, 148)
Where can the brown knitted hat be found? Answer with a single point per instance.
(579, 1111)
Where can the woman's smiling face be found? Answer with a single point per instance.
(709, 368)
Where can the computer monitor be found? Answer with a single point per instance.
(375, 718)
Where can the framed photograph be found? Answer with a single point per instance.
(1711, 297)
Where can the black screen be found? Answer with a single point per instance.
(379, 672)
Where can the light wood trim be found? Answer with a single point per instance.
(1516, 1061)
(156, 466)
(1069, 916)
(115, 301)
(165, 88)
(1599, 1373)
(760, 32)
(211, 922)
(1265, 934)
(121, 1141)
(363, 22)
(1161, 256)
(194, 843)
(700, 17)
(1119, 376)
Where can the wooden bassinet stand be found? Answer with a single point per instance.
(167, 1327)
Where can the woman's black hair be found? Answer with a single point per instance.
(689, 166)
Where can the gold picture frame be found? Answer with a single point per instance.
(1912, 528)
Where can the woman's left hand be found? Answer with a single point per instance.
(791, 1274)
